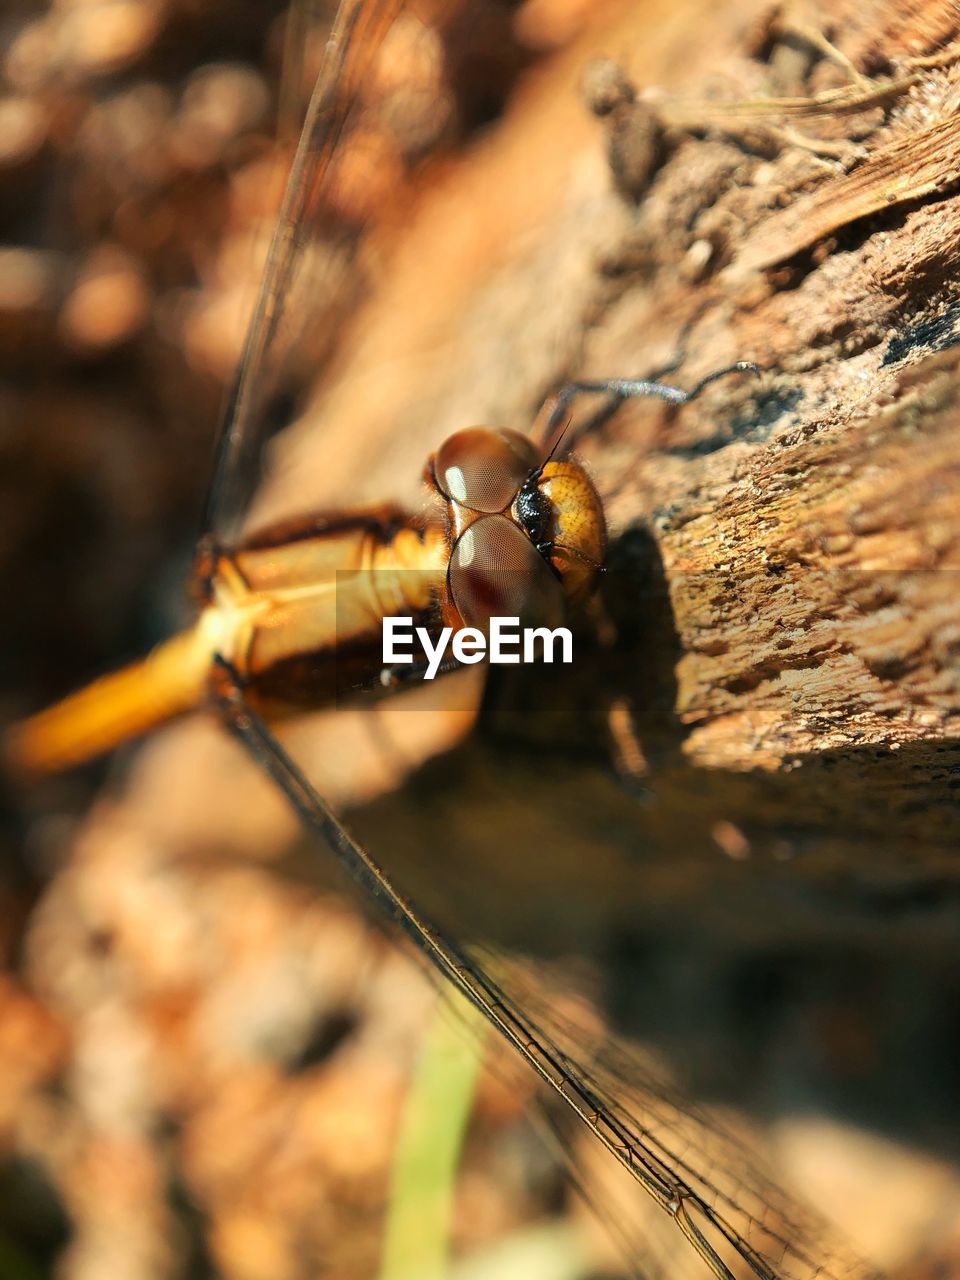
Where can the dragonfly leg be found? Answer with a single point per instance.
(407, 673)
(625, 389)
(205, 566)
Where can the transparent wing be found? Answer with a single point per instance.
(357, 33)
(722, 1198)
(699, 1175)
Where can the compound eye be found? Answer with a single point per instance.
(482, 468)
(496, 572)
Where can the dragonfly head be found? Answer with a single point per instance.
(527, 535)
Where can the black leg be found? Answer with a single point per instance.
(626, 389)
(405, 674)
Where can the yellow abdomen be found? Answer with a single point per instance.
(272, 604)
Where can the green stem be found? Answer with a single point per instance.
(417, 1240)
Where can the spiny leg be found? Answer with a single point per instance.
(627, 389)
(402, 676)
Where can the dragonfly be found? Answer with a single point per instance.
(293, 614)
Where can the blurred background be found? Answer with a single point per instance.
(206, 1049)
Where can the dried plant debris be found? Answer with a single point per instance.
(645, 124)
(919, 166)
(898, 147)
